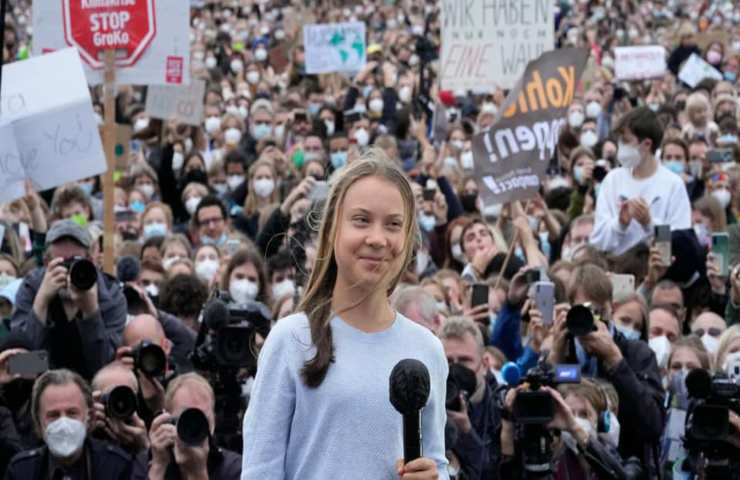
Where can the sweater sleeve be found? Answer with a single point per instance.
(506, 334)
(608, 234)
(434, 417)
(269, 415)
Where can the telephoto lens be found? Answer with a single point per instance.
(192, 427)
(460, 379)
(580, 321)
(150, 359)
(82, 272)
(120, 402)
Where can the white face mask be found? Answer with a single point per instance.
(191, 204)
(329, 127)
(723, 196)
(152, 290)
(710, 343)
(178, 159)
(662, 349)
(576, 118)
(457, 253)
(466, 160)
(147, 189)
(459, 144)
(260, 54)
(283, 289)
(593, 109)
(237, 66)
(65, 436)
(422, 262)
(589, 138)
(141, 124)
(376, 105)
(628, 156)
(212, 124)
(233, 181)
(206, 269)
(253, 76)
(264, 187)
(362, 137)
(243, 291)
(612, 436)
(404, 94)
(232, 136)
(210, 62)
(168, 262)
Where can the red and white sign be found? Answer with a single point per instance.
(127, 26)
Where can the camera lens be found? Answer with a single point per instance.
(232, 345)
(83, 274)
(192, 427)
(150, 359)
(120, 402)
(580, 321)
(460, 379)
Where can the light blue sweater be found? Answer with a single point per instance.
(346, 428)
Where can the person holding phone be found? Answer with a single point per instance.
(641, 193)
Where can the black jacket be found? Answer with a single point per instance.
(84, 345)
(105, 461)
(222, 465)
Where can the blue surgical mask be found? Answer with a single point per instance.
(675, 166)
(87, 188)
(730, 76)
(545, 243)
(728, 139)
(261, 130)
(152, 230)
(313, 109)
(629, 333)
(427, 222)
(137, 206)
(338, 160)
(220, 241)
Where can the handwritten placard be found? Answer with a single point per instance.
(488, 44)
(184, 104)
(639, 63)
(49, 135)
(335, 47)
(694, 70)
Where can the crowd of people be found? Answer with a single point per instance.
(635, 228)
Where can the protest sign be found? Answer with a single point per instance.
(512, 156)
(181, 103)
(639, 63)
(488, 44)
(694, 70)
(335, 47)
(151, 38)
(49, 135)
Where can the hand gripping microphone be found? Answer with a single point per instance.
(409, 391)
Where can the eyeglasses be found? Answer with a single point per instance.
(208, 221)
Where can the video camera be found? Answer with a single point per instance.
(535, 406)
(229, 341)
(708, 428)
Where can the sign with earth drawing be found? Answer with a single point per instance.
(334, 47)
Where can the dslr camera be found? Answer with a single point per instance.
(150, 359)
(461, 379)
(192, 427)
(120, 403)
(581, 320)
(82, 272)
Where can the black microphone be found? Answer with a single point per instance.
(128, 269)
(409, 392)
(215, 314)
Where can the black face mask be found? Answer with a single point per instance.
(198, 176)
(468, 202)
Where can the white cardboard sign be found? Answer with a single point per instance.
(49, 135)
(695, 70)
(335, 47)
(487, 44)
(639, 63)
(165, 62)
(181, 103)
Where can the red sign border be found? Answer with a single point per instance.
(96, 63)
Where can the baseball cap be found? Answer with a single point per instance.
(68, 229)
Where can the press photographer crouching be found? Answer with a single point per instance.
(62, 405)
(586, 336)
(549, 428)
(182, 437)
(69, 307)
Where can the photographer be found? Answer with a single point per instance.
(114, 416)
(80, 328)
(61, 407)
(576, 418)
(628, 364)
(474, 416)
(173, 457)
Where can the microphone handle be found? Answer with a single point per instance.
(411, 436)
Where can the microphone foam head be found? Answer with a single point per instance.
(216, 314)
(699, 383)
(409, 386)
(511, 373)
